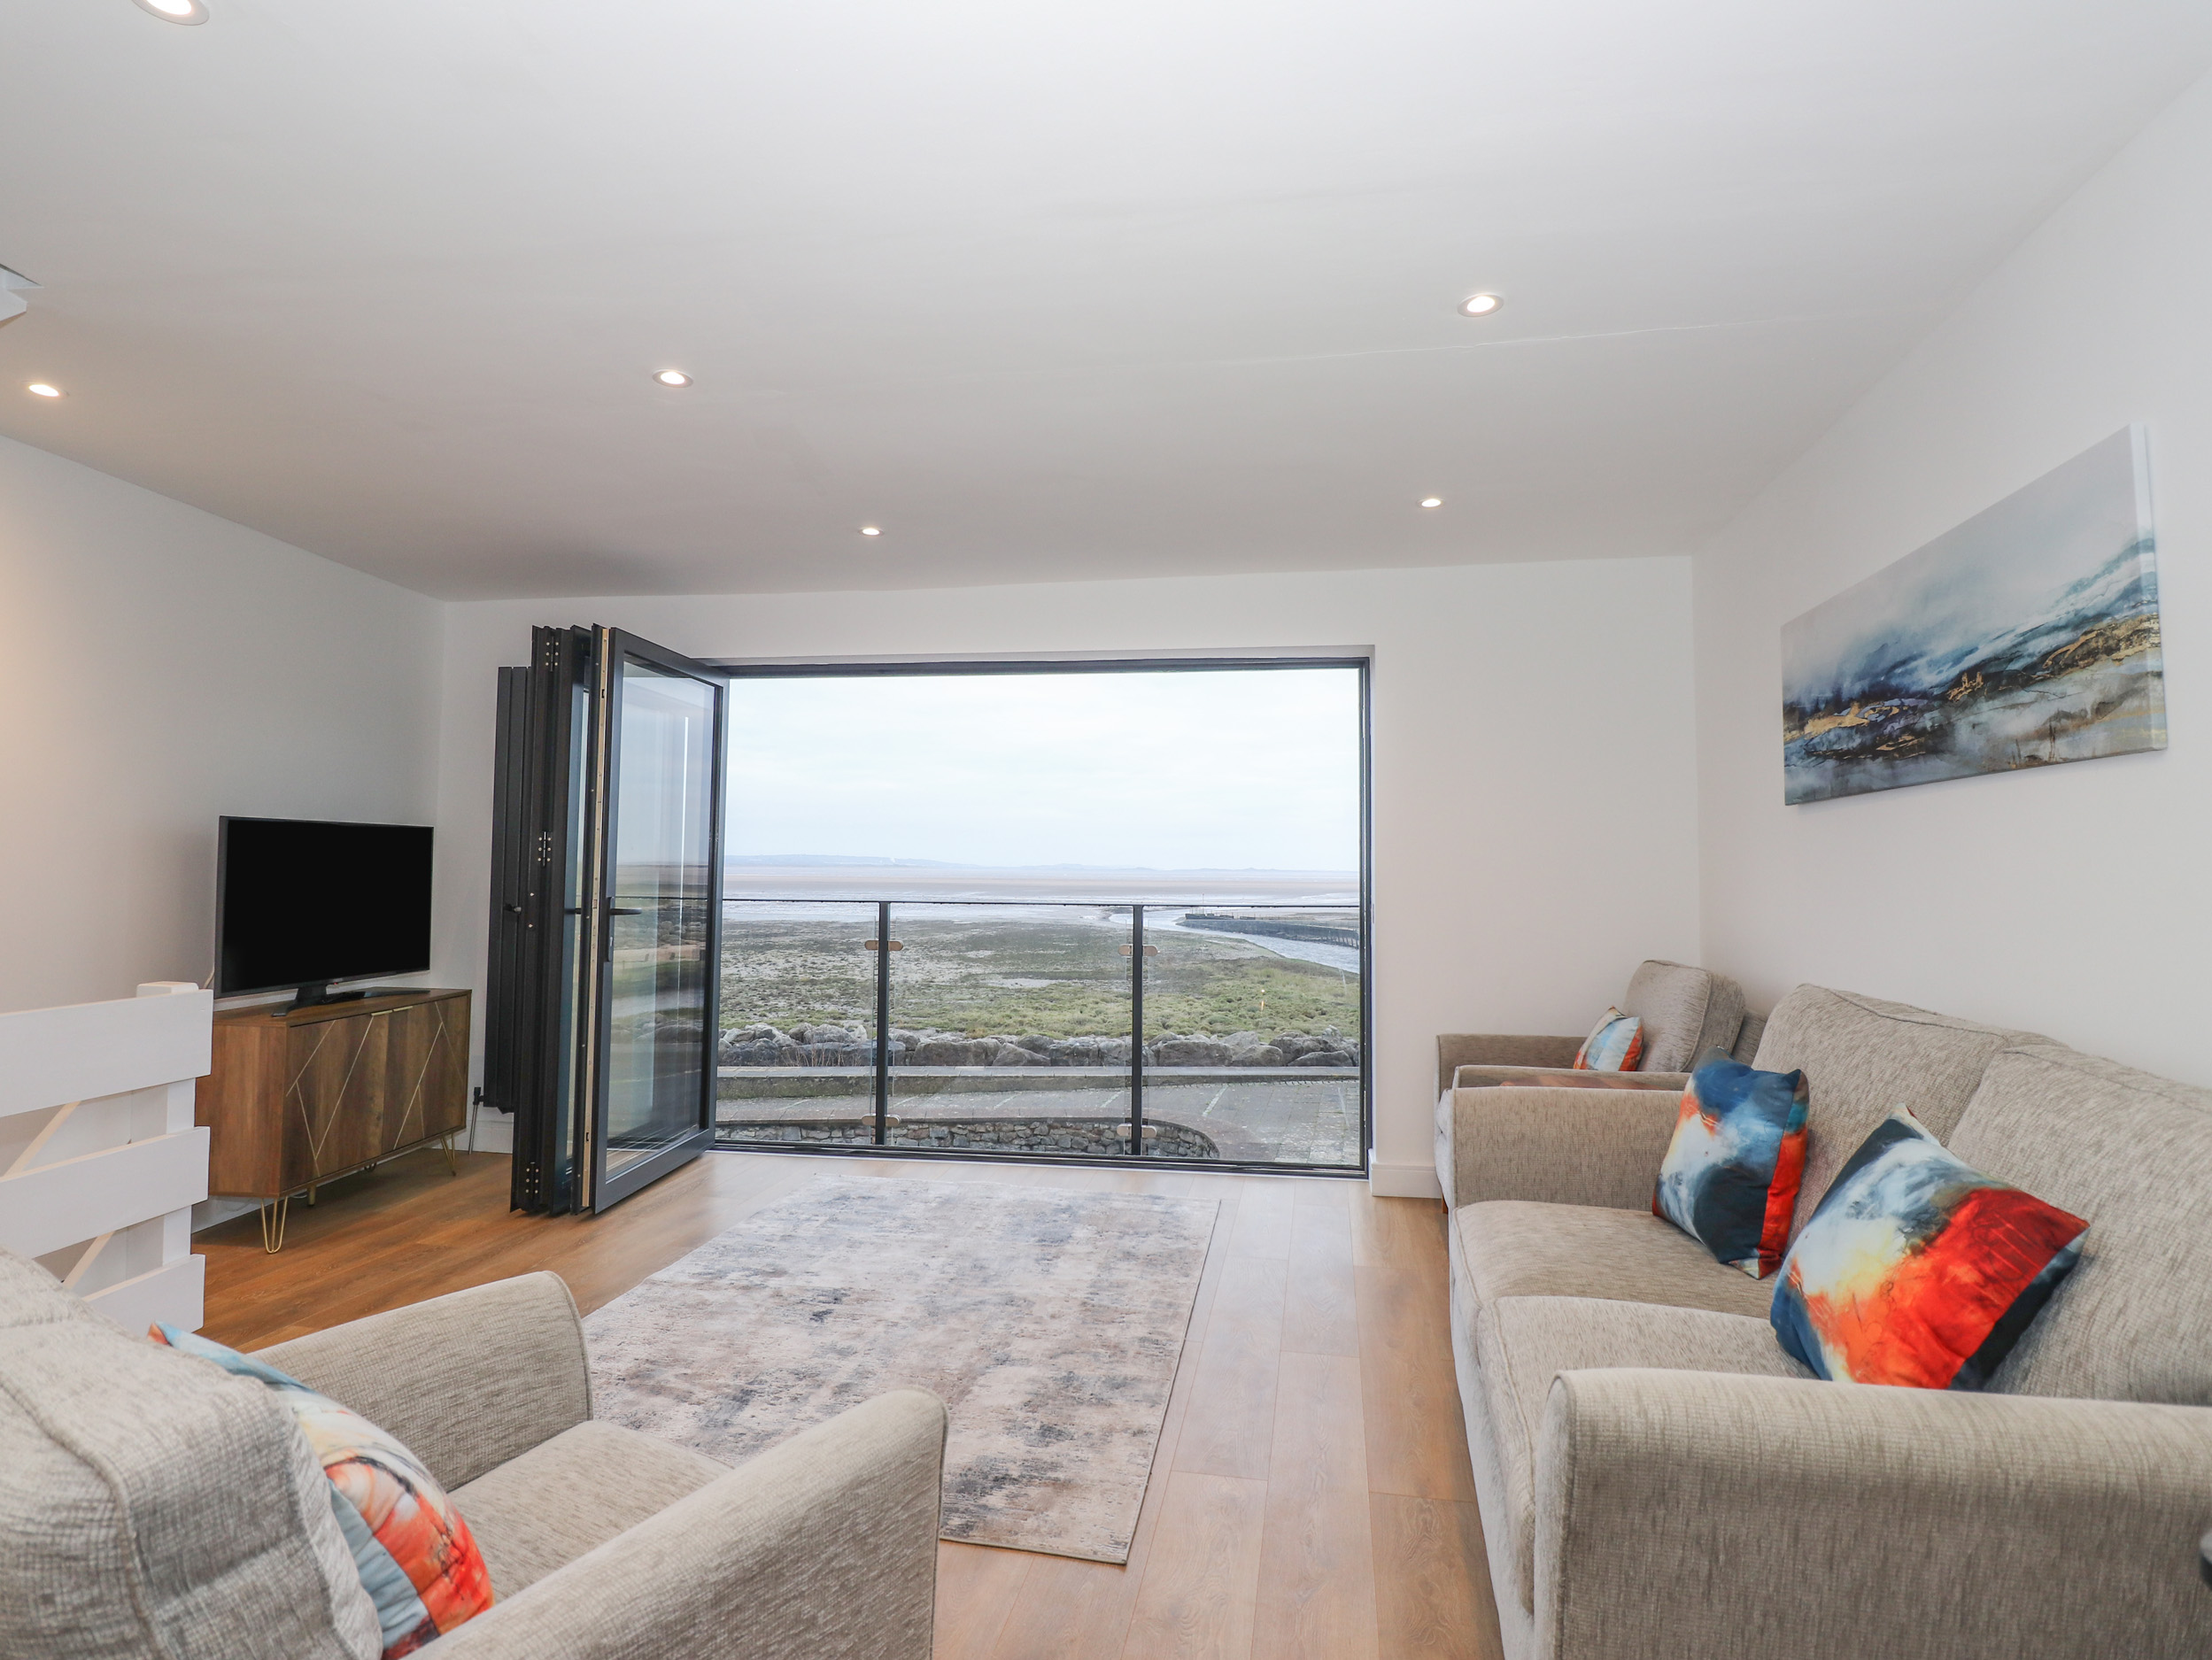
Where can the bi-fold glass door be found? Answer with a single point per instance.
(606, 890)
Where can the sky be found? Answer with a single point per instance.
(1196, 770)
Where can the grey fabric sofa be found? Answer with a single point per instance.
(1686, 1013)
(152, 1505)
(1657, 1478)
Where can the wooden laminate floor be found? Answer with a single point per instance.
(1312, 1496)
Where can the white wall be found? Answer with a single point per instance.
(2074, 901)
(165, 666)
(1533, 799)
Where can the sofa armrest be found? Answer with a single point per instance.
(1563, 1078)
(1457, 1049)
(822, 1548)
(1699, 1513)
(466, 1381)
(1563, 1146)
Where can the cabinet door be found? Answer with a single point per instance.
(427, 1066)
(338, 1083)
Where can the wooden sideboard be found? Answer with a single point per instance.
(302, 1097)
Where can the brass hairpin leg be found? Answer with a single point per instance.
(273, 1213)
(445, 1144)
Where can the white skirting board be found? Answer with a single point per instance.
(100, 1161)
(491, 1130)
(1398, 1178)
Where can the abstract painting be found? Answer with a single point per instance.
(2026, 636)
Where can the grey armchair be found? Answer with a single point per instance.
(1686, 1013)
(156, 1506)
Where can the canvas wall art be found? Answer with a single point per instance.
(2026, 636)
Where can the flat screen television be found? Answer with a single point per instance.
(302, 902)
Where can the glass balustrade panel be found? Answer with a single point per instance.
(1009, 1028)
(797, 1059)
(1252, 1023)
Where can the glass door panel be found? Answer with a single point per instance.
(661, 918)
(1009, 1028)
(1252, 1023)
(798, 1055)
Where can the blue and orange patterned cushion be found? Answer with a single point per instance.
(417, 1559)
(1918, 1269)
(1732, 1169)
(1614, 1045)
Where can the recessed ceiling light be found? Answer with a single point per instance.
(40, 388)
(175, 10)
(1479, 305)
(1432, 501)
(673, 377)
(871, 529)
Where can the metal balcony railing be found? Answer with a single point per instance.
(1057, 1028)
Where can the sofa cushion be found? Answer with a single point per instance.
(458, 1349)
(2132, 1152)
(1615, 1044)
(1685, 1012)
(411, 1545)
(1862, 1056)
(1918, 1269)
(151, 1504)
(544, 1509)
(1730, 1178)
(1522, 1343)
(1511, 1247)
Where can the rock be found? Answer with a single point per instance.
(1326, 1057)
(1266, 1055)
(1093, 1052)
(757, 1045)
(1188, 1052)
(955, 1052)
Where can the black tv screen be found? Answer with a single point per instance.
(300, 901)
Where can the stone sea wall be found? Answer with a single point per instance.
(1162, 1139)
(829, 1045)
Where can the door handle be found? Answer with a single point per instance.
(617, 910)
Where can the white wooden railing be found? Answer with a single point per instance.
(100, 1161)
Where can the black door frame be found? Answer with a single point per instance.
(540, 812)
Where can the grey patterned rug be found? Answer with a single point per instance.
(1048, 1321)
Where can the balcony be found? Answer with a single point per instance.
(1229, 1035)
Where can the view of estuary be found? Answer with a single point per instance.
(1055, 1002)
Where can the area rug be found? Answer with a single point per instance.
(1048, 1321)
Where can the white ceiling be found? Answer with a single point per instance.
(1094, 287)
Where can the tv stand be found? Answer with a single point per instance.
(304, 1095)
